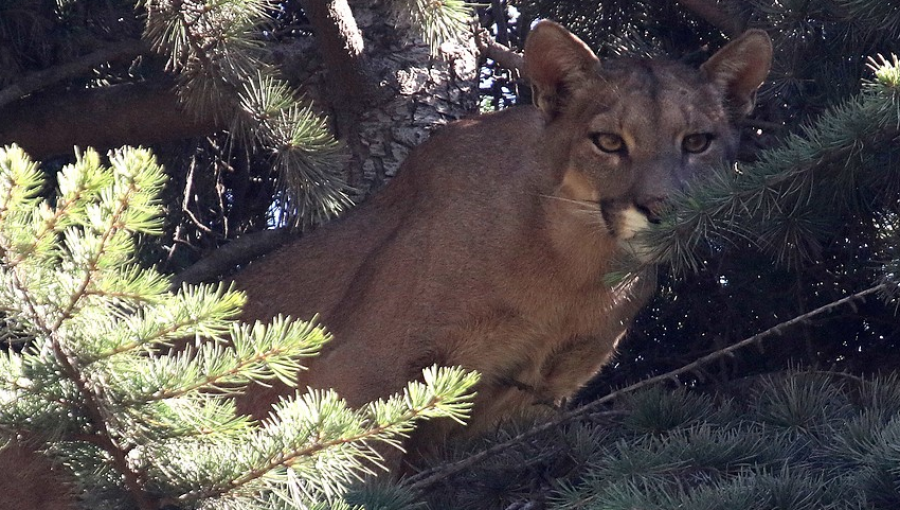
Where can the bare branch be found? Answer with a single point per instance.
(428, 478)
(341, 45)
(503, 56)
(48, 125)
(44, 78)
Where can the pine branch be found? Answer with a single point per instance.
(437, 22)
(258, 353)
(426, 479)
(123, 195)
(773, 202)
(103, 437)
(217, 51)
(211, 47)
(307, 158)
(322, 440)
(146, 426)
(162, 318)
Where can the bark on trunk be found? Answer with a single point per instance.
(396, 91)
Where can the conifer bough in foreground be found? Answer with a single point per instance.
(84, 375)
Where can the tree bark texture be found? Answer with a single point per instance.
(409, 92)
(398, 91)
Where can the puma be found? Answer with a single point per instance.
(490, 247)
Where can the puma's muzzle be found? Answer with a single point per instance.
(625, 223)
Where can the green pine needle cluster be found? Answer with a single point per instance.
(304, 154)
(791, 441)
(218, 51)
(210, 45)
(436, 22)
(793, 198)
(128, 384)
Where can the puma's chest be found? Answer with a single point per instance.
(519, 334)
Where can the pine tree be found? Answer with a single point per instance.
(217, 51)
(128, 385)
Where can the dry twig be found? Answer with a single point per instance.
(503, 56)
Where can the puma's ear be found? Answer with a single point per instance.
(741, 67)
(555, 61)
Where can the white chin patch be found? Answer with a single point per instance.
(632, 221)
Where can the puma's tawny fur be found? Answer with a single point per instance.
(490, 247)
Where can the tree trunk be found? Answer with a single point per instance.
(386, 100)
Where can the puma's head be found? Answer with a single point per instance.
(633, 131)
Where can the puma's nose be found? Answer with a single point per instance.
(652, 207)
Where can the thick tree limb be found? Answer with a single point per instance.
(239, 251)
(47, 125)
(42, 79)
(351, 90)
(340, 43)
(712, 12)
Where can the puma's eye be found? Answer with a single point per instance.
(696, 143)
(608, 142)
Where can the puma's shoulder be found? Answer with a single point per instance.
(486, 152)
(439, 188)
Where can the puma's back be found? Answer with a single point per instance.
(490, 247)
